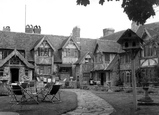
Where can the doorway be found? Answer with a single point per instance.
(14, 75)
(102, 78)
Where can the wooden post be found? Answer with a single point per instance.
(134, 81)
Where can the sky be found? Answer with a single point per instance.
(59, 17)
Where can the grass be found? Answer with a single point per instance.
(123, 103)
(69, 102)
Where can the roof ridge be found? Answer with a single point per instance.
(106, 40)
(32, 33)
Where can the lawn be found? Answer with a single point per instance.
(69, 102)
(123, 103)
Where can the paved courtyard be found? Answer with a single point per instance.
(89, 104)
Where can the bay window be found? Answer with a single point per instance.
(44, 70)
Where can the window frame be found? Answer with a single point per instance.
(44, 70)
(1, 72)
(44, 49)
(108, 58)
(149, 51)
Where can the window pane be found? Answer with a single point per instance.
(107, 57)
(50, 52)
(0, 54)
(1, 72)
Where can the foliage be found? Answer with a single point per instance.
(142, 79)
(137, 10)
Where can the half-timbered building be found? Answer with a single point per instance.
(25, 56)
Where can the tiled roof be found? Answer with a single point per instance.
(151, 32)
(26, 41)
(108, 46)
(153, 26)
(153, 36)
(87, 45)
(15, 52)
(79, 61)
(12, 40)
(57, 42)
(113, 63)
(125, 36)
(81, 58)
(65, 42)
(115, 36)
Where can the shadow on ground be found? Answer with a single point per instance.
(69, 102)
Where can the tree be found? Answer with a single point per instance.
(137, 10)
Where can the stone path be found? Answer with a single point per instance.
(89, 104)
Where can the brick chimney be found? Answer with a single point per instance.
(37, 29)
(134, 26)
(108, 31)
(76, 35)
(7, 28)
(29, 29)
(76, 32)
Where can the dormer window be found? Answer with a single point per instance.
(87, 59)
(44, 49)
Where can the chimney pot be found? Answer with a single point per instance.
(29, 29)
(37, 29)
(7, 28)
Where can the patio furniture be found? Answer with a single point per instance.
(30, 91)
(53, 90)
(16, 94)
(4, 83)
(32, 87)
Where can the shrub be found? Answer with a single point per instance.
(67, 83)
(118, 90)
(128, 91)
(119, 83)
(140, 91)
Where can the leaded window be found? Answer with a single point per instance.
(14, 60)
(107, 57)
(1, 72)
(149, 51)
(44, 70)
(44, 50)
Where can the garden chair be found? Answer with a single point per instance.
(16, 94)
(53, 91)
(29, 92)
